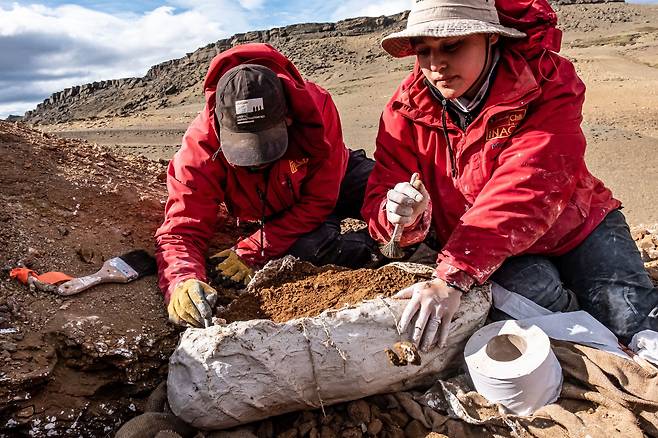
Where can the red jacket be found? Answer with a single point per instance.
(520, 185)
(301, 189)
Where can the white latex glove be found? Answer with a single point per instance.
(435, 303)
(404, 203)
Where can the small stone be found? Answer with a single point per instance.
(290, 433)
(399, 417)
(415, 430)
(26, 412)
(646, 245)
(352, 432)
(374, 427)
(85, 254)
(327, 432)
(395, 432)
(305, 428)
(359, 411)
(7, 346)
(652, 269)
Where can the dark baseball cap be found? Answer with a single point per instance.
(251, 110)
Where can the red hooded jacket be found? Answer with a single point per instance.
(296, 195)
(519, 184)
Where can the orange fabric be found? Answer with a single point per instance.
(22, 274)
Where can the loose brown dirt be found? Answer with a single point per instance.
(81, 365)
(311, 296)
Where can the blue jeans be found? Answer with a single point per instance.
(604, 276)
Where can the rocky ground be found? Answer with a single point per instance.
(81, 365)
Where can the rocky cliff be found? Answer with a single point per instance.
(313, 47)
(310, 46)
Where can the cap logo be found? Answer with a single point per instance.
(245, 110)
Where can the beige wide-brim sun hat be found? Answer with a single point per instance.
(447, 18)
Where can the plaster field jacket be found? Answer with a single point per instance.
(295, 195)
(514, 183)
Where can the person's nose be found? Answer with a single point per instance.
(437, 61)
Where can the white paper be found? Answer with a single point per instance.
(645, 344)
(578, 327)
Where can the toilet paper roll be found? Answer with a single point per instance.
(512, 363)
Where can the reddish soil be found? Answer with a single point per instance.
(79, 365)
(311, 295)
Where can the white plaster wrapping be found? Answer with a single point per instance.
(229, 375)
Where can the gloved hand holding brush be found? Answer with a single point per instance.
(406, 202)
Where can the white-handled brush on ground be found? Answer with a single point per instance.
(392, 249)
(122, 269)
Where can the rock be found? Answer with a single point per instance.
(8, 346)
(652, 269)
(399, 418)
(359, 411)
(25, 412)
(290, 433)
(375, 427)
(352, 432)
(327, 432)
(648, 248)
(306, 427)
(85, 254)
(415, 430)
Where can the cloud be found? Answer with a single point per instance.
(370, 8)
(45, 49)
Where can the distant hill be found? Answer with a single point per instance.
(313, 48)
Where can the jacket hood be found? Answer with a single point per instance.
(307, 119)
(534, 17)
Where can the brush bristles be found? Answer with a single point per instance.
(141, 262)
(392, 250)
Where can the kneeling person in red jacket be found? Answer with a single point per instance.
(490, 119)
(269, 147)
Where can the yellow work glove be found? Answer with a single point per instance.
(191, 303)
(233, 267)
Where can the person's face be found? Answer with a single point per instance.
(453, 64)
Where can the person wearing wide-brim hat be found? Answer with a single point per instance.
(490, 120)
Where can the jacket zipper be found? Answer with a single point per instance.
(290, 187)
(451, 153)
(263, 202)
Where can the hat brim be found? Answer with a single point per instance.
(399, 46)
(254, 148)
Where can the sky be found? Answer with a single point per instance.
(50, 45)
